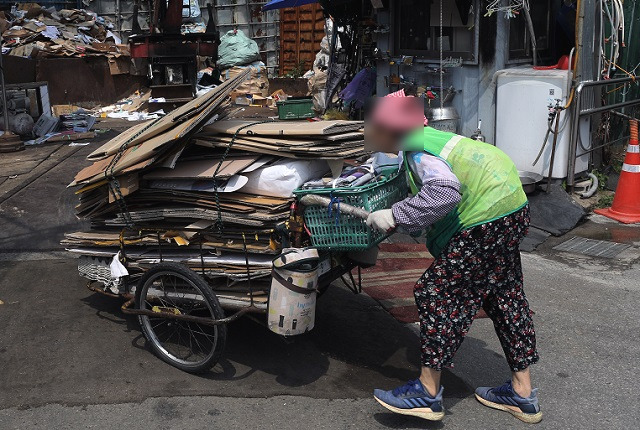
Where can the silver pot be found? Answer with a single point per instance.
(529, 180)
(444, 119)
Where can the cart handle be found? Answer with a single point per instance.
(316, 200)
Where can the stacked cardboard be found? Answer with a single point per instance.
(329, 140)
(33, 31)
(199, 192)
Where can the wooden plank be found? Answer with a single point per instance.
(301, 32)
(298, 38)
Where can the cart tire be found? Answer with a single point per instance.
(205, 304)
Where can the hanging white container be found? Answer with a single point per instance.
(292, 299)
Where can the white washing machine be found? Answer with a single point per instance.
(522, 110)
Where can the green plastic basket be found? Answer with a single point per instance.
(295, 108)
(339, 231)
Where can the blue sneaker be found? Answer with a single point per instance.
(505, 399)
(412, 399)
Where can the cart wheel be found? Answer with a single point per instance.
(189, 346)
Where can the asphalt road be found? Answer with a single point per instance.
(70, 359)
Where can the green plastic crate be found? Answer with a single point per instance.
(295, 108)
(344, 232)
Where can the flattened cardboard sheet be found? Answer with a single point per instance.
(182, 120)
(205, 168)
(128, 184)
(285, 128)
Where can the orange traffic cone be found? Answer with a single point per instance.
(626, 202)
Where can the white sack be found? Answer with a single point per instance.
(281, 178)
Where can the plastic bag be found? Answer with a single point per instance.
(236, 49)
(281, 178)
(360, 88)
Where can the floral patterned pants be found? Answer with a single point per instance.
(479, 268)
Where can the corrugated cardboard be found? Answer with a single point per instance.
(289, 152)
(198, 169)
(179, 122)
(127, 183)
(119, 65)
(286, 128)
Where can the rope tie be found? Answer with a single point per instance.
(219, 223)
(335, 213)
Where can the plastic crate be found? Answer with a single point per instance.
(339, 231)
(295, 108)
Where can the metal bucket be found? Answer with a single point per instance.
(443, 119)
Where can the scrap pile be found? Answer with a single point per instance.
(34, 31)
(237, 53)
(135, 107)
(177, 190)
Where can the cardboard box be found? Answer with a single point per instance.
(59, 110)
(259, 101)
(119, 65)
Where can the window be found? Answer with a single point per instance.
(519, 37)
(417, 24)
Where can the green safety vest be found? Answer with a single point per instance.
(490, 184)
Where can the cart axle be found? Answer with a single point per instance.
(127, 309)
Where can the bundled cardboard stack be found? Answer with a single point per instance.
(328, 140)
(213, 204)
(33, 31)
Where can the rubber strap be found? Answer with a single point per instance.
(292, 265)
(290, 286)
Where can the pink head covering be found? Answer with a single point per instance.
(399, 112)
(401, 93)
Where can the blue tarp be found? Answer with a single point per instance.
(281, 4)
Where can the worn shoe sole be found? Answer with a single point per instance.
(425, 413)
(527, 418)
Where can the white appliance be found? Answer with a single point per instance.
(522, 111)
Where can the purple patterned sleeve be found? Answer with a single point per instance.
(436, 198)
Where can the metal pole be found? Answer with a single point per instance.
(578, 112)
(573, 142)
(118, 20)
(608, 82)
(553, 151)
(5, 111)
(606, 108)
(9, 142)
(532, 33)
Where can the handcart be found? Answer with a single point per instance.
(183, 308)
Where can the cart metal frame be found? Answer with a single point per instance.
(340, 267)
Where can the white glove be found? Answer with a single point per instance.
(382, 220)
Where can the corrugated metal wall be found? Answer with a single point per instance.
(246, 15)
(120, 12)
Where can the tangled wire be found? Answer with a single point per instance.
(509, 7)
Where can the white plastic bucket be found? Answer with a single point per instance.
(292, 299)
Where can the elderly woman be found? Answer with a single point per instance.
(468, 196)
